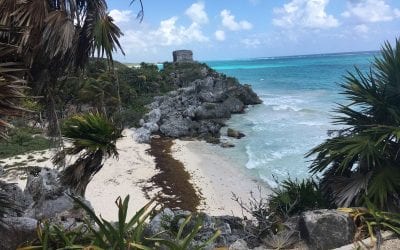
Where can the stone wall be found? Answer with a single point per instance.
(182, 56)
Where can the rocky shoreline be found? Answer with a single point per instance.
(197, 108)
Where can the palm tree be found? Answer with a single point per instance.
(363, 160)
(53, 37)
(93, 139)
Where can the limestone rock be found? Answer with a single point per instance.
(234, 133)
(176, 127)
(17, 231)
(198, 107)
(49, 208)
(22, 201)
(43, 183)
(327, 229)
(239, 245)
(142, 135)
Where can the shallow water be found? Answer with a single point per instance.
(298, 96)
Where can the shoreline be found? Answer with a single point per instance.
(217, 178)
(212, 177)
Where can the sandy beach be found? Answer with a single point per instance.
(213, 177)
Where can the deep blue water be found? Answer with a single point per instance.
(298, 96)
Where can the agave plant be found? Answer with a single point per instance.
(372, 221)
(93, 138)
(363, 159)
(182, 241)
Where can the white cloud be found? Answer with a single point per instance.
(305, 14)
(229, 22)
(197, 13)
(370, 11)
(123, 16)
(361, 29)
(220, 35)
(251, 42)
(168, 33)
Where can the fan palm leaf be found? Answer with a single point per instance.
(364, 159)
(93, 138)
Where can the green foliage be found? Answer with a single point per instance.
(91, 132)
(293, 197)
(22, 140)
(372, 221)
(93, 138)
(126, 233)
(187, 72)
(51, 236)
(363, 158)
(180, 241)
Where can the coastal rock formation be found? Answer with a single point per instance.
(203, 101)
(231, 227)
(327, 229)
(16, 231)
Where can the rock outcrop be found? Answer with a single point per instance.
(327, 229)
(15, 231)
(198, 108)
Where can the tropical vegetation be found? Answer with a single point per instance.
(92, 138)
(363, 159)
(127, 233)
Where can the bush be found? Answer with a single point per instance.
(21, 141)
(293, 197)
(126, 233)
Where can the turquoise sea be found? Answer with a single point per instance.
(299, 94)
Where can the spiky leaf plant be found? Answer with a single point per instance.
(93, 138)
(363, 159)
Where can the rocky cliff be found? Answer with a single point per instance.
(199, 107)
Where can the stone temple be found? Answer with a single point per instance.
(182, 56)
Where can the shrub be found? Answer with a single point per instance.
(22, 140)
(293, 197)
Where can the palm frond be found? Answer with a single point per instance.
(366, 157)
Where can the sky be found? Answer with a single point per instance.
(239, 29)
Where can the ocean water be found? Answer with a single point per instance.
(299, 94)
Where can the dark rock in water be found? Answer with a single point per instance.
(234, 133)
(327, 229)
(199, 107)
(227, 145)
(16, 231)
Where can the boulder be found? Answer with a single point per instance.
(150, 126)
(16, 231)
(42, 184)
(327, 229)
(239, 245)
(234, 105)
(49, 208)
(156, 225)
(227, 145)
(142, 135)
(234, 133)
(22, 201)
(176, 127)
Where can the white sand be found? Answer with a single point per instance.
(217, 177)
(213, 176)
(125, 176)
